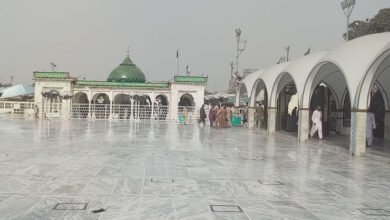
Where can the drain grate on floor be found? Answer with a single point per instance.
(271, 183)
(375, 212)
(162, 180)
(226, 208)
(70, 206)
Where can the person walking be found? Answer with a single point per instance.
(215, 111)
(211, 116)
(185, 113)
(370, 126)
(317, 124)
(294, 118)
(258, 115)
(244, 114)
(220, 115)
(222, 118)
(202, 114)
(229, 116)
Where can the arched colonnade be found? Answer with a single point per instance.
(120, 105)
(344, 82)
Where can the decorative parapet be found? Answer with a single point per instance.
(146, 85)
(191, 79)
(51, 75)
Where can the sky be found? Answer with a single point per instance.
(89, 38)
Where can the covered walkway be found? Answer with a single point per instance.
(345, 82)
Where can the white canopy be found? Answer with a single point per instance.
(18, 90)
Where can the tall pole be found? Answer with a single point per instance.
(288, 52)
(240, 49)
(347, 6)
(238, 35)
(177, 58)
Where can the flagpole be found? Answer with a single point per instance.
(177, 57)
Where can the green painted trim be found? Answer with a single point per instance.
(191, 79)
(57, 75)
(122, 84)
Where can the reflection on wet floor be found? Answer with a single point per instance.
(169, 171)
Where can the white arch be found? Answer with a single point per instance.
(188, 96)
(385, 93)
(240, 87)
(300, 70)
(96, 95)
(380, 69)
(250, 80)
(355, 58)
(258, 82)
(162, 95)
(314, 78)
(269, 77)
(121, 96)
(78, 95)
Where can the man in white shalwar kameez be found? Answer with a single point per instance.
(370, 125)
(317, 124)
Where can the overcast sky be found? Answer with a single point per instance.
(89, 38)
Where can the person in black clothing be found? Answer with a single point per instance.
(202, 115)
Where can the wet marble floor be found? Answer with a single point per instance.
(68, 169)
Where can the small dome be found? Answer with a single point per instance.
(127, 71)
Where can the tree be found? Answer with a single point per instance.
(380, 23)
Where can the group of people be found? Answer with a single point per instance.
(317, 124)
(219, 116)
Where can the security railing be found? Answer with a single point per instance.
(15, 109)
(119, 111)
(193, 114)
(51, 110)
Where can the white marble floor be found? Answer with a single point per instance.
(169, 171)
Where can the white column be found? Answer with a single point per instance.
(64, 109)
(387, 125)
(303, 124)
(358, 132)
(131, 108)
(271, 120)
(152, 100)
(89, 109)
(110, 117)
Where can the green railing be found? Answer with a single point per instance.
(121, 84)
(56, 75)
(191, 79)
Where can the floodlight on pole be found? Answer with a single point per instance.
(53, 66)
(347, 6)
(241, 45)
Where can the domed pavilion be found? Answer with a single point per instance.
(124, 95)
(127, 71)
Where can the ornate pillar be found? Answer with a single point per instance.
(358, 132)
(110, 116)
(89, 109)
(152, 100)
(271, 120)
(111, 98)
(303, 124)
(131, 108)
(387, 125)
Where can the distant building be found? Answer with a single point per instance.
(125, 95)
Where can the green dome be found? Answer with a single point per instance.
(127, 71)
